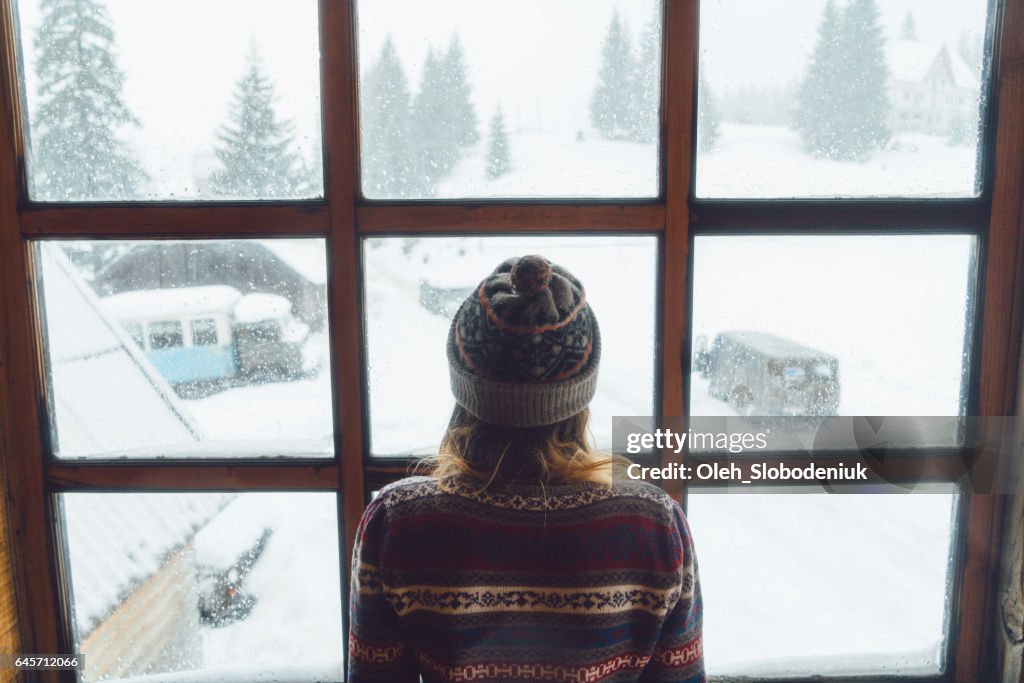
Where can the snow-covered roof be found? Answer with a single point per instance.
(963, 75)
(258, 306)
(777, 347)
(910, 61)
(107, 397)
(153, 304)
(307, 257)
(118, 540)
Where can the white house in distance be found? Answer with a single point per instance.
(931, 89)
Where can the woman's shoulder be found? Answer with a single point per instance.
(408, 488)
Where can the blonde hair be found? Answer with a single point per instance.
(493, 455)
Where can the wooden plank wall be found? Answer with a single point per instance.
(1010, 594)
(155, 630)
(10, 640)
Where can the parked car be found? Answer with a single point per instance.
(223, 599)
(443, 299)
(763, 374)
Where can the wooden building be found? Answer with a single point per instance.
(296, 271)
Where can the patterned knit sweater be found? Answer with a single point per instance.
(581, 582)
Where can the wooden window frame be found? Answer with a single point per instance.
(33, 477)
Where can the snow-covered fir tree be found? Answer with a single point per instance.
(610, 109)
(463, 115)
(707, 116)
(864, 76)
(498, 160)
(644, 105)
(444, 123)
(257, 149)
(820, 97)
(843, 101)
(909, 29)
(76, 148)
(432, 129)
(389, 161)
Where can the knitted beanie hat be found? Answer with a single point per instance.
(524, 347)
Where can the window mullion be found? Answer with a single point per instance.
(338, 79)
(680, 66)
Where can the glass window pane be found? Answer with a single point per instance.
(171, 348)
(204, 332)
(840, 98)
(120, 108)
(233, 586)
(165, 335)
(815, 584)
(831, 325)
(415, 285)
(469, 99)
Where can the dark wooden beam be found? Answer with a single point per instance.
(475, 218)
(193, 476)
(125, 221)
(33, 530)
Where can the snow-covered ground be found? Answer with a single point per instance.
(752, 161)
(296, 622)
(814, 584)
(252, 415)
(747, 161)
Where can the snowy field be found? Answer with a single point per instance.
(804, 584)
(747, 161)
(750, 161)
(892, 309)
(545, 91)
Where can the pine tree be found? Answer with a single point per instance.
(646, 98)
(498, 162)
(820, 95)
(864, 103)
(76, 149)
(389, 161)
(257, 149)
(462, 113)
(610, 107)
(435, 155)
(909, 29)
(707, 116)
(444, 123)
